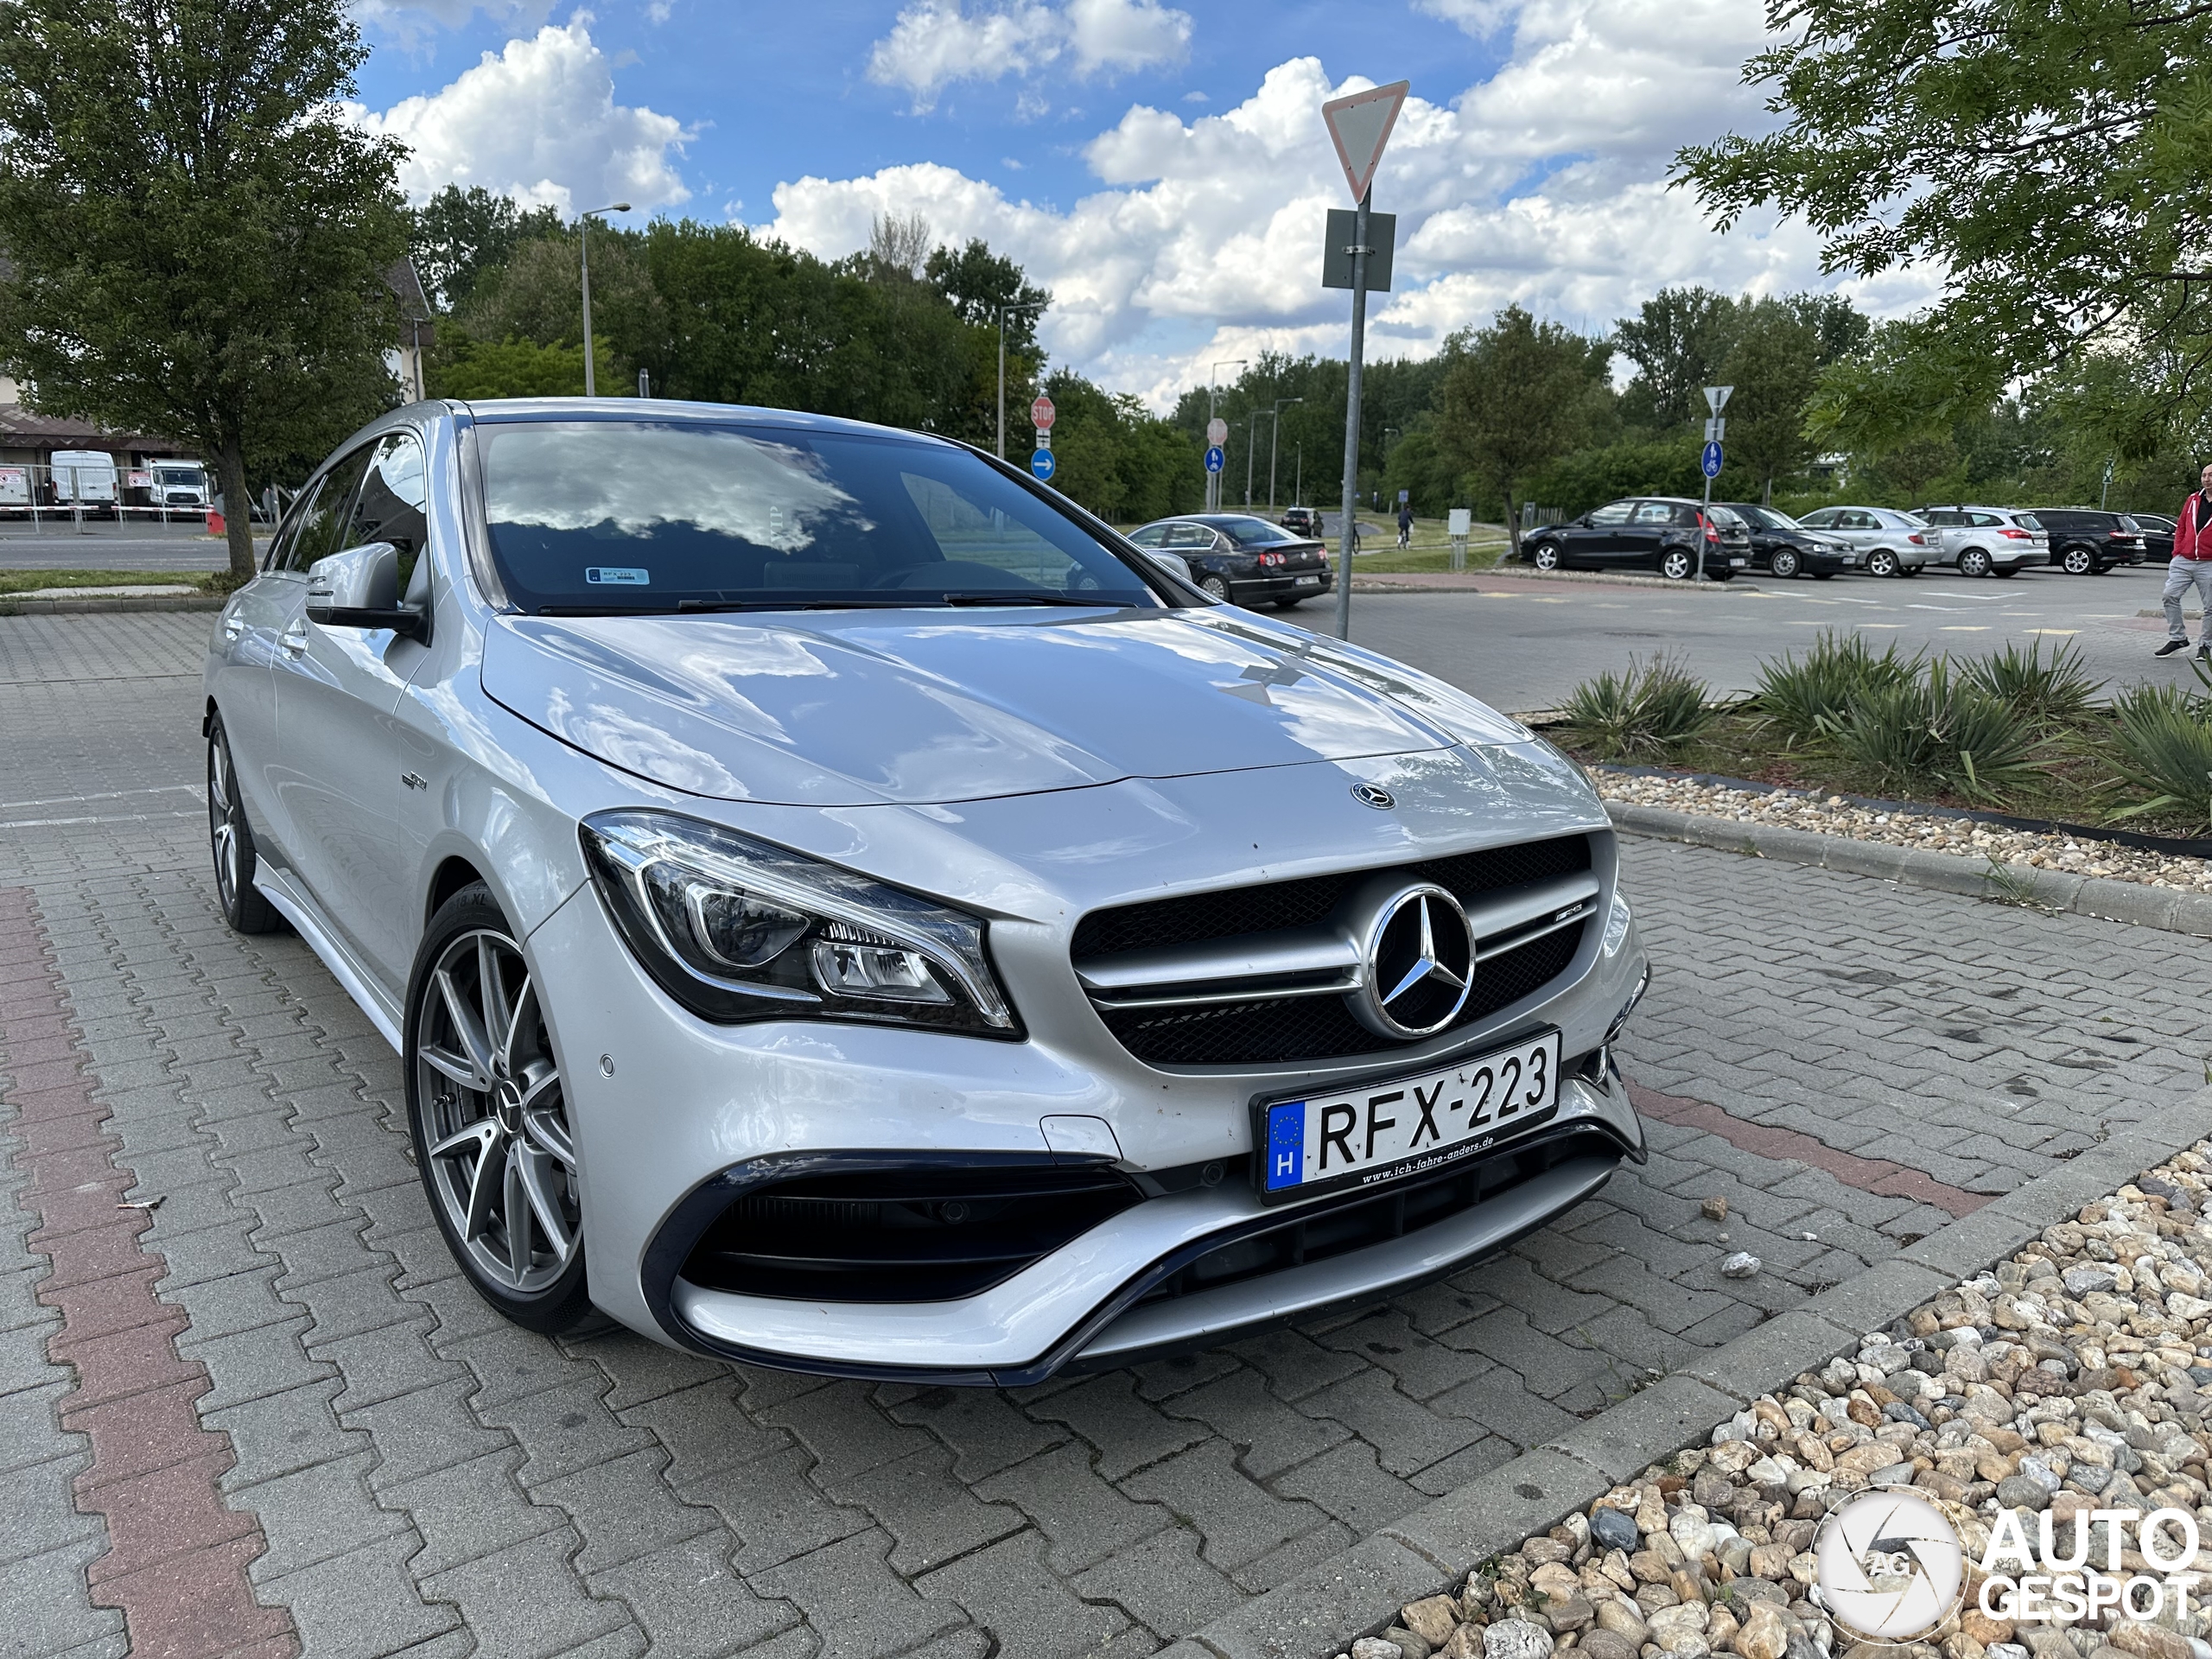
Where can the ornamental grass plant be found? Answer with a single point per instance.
(1652, 712)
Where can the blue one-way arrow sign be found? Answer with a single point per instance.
(1711, 461)
(1040, 462)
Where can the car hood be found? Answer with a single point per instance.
(849, 709)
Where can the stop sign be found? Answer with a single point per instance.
(1040, 413)
(1216, 432)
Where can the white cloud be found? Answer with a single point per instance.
(538, 122)
(935, 42)
(1544, 185)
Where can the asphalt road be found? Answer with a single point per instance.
(1523, 645)
(102, 545)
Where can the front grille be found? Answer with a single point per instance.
(1308, 900)
(1274, 1029)
(1405, 1208)
(1211, 1024)
(912, 1235)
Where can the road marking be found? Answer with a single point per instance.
(193, 789)
(1963, 627)
(115, 817)
(1881, 624)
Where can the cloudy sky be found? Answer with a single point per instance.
(1163, 169)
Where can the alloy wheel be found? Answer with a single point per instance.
(1882, 563)
(1974, 562)
(1783, 564)
(2078, 562)
(1676, 565)
(502, 1164)
(1545, 557)
(222, 819)
(1217, 586)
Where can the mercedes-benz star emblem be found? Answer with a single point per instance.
(1374, 795)
(1419, 957)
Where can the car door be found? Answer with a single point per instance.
(1596, 540)
(1195, 542)
(244, 650)
(342, 756)
(1649, 528)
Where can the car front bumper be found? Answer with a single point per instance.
(668, 1111)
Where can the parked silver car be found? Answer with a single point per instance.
(839, 908)
(1987, 541)
(1889, 542)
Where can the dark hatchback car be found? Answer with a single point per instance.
(1784, 547)
(2088, 540)
(1645, 532)
(1242, 557)
(2157, 532)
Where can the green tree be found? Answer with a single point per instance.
(471, 368)
(538, 295)
(199, 237)
(2048, 161)
(459, 234)
(1677, 341)
(1515, 397)
(1772, 367)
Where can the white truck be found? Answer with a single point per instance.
(85, 478)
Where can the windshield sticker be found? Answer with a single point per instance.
(618, 575)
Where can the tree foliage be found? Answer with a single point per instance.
(198, 239)
(2048, 161)
(1516, 397)
(459, 234)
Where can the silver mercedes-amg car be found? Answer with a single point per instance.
(841, 906)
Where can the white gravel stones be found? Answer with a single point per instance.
(2076, 1377)
(1742, 1265)
(1832, 816)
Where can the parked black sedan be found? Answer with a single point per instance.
(2088, 541)
(1648, 532)
(2157, 532)
(1243, 558)
(1785, 548)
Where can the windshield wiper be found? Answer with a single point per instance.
(697, 605)
(1032, 599)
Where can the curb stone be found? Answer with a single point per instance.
(2167, 908)
(1358, 1593)
(10, 605)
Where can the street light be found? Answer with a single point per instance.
(1003, 311)
(1251, 443)
(1274, 442)
(584, 243)
(1213, 480)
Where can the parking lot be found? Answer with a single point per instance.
(1555, 634)
(346, 1450)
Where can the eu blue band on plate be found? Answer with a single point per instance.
(617, 575)
(1285, 1144)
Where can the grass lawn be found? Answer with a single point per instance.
(27, 582)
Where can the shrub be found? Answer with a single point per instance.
(1934, 729)
(2045, 693)
(1804, 695)
(2164, 742)
(1648, 712)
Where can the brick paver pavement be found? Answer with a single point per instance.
(424, 1480)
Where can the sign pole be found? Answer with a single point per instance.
(1352, 416)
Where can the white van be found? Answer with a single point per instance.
(85, 478)
(181, 485)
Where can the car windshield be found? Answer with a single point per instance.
(1768, 519)
(1254, 532)
(642, 516)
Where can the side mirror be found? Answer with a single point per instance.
(360, 588)
(1583, 523)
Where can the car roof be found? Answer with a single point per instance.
(494, 410)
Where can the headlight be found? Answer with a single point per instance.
(1617, 926)
(736, 929)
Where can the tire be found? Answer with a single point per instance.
(230, 840)
(2008, 570)
(1217, 586)
(1973, 562)
(1545, 557)
(1291, 604)
(2079, 562)
(1676, 565)
(1882, 563)
(1785, 561)
(1823, 576)
(487, 1110)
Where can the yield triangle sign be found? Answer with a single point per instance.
(1360, 125)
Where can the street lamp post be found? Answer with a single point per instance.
(583, 245)
(1004, 311)
(1251, 442)
(1275, 443)
(1213, 480)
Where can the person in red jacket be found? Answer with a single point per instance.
(2191, 568)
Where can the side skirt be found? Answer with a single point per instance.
(296, 907)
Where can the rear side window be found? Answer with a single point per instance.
(1654, 513)
(2027, 521)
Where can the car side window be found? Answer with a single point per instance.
(1984, 520)
(2029, 521)
(1824, 519)
(1942, 519)
(1653, 512)
(1614, 512)
(390, 507)
(324, 522)
(1149, 535)
(1191, 537)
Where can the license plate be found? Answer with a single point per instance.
(1309, 581)
(1738, 562)
(1384, 1132)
